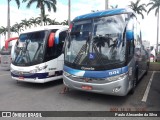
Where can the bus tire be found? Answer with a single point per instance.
(147, 69)
(134, 83)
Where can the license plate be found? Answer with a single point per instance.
(85, 87)
(21, 78)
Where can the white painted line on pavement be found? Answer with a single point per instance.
(144, 99)
(5, 74)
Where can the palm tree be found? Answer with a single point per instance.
(34, 21)
(53, 22)
(138, 8)
(38, 20)
(65, 22)
(3, 31)
(51, 4)
(25, 23)
(155, 4)
(17, 28)
(46, 20)
(113, 7)
(8, 15)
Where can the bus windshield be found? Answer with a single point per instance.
(96, 42)
(29, 49)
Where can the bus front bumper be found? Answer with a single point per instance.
(31, 80)
(117, 88)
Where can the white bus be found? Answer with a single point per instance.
(37, 56)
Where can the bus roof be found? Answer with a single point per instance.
(49, 27)
(104, 13)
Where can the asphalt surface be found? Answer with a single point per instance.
(153, 101)
(23, 96)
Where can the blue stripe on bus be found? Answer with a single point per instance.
(74, 71)
(38, 75)
(96, 74)
(103, 13)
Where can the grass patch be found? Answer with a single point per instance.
(154, 62)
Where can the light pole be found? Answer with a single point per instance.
(157, 51)
(106, 4)
(69, 12)
(8, 19)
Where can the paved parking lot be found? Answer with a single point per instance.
(46, 97)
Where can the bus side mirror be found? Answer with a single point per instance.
(51, 40)
(129, 35)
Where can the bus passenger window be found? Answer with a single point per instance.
(56, 50)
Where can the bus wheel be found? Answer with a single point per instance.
(134, 84)
(147, 69)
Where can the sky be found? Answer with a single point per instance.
(78, 7)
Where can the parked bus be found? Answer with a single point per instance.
(104, 53)
(6, 54)
(37, 56)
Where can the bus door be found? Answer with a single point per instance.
(144, 59)
(138, 56)
(62, 36)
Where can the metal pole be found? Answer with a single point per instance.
(69, 12)
(106, 4)
(157, 33)
(8, 20)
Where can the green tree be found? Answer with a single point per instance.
(138, 8)
(35, 21)
(53, 22)
(8, 14)
(155, 5)
(113, 7)
(26, 23)
(41, 4)
(17, 28)
(65, 22)
(3, 31)
(46, 20)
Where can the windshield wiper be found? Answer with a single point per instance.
(83, 50)
(80, 53)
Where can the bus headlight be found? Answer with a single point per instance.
(38, 69)
(33, 71)
(66, 74)
(118, 77)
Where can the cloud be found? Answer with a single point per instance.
(16, 15)
(79, 7)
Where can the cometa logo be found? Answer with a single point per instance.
(85, 68)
